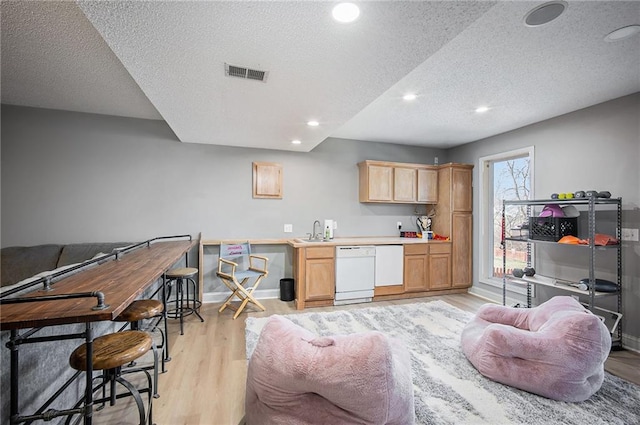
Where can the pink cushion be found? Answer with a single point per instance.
(295, 377)
(556, 350)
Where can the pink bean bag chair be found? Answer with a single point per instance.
(296, 377)
(556, 350)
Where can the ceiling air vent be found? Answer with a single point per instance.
(247, 73)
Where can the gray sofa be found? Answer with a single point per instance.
(44, 366)
(22, 262)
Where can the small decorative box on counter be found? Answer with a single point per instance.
(408, 234)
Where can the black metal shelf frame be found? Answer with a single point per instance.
(592, 204)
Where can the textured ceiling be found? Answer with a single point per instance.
(165, 60)
(52, 57)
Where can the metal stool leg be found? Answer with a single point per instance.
(181, 308)
(195, 298)
(136, 396)
(165, 356)
(155, 371)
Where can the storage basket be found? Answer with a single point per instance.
(552, 228)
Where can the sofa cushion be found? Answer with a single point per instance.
(296, 377)
(21, 262)
(80, 252)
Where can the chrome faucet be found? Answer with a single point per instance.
(315, 235)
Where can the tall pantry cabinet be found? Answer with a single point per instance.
(454, 217)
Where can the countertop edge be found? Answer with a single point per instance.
(355, 240)
(379, 240)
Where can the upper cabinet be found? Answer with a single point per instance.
(427, 185)
(267, 180)
(455, 192)
(394, 182)
(461, 189)
(376, 182)
(404, 184)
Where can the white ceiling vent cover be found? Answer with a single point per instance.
(247, 73)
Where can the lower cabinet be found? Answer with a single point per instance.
(416, 267)
(439, 267)
(427, 267)
(315, 274)
(462, 250)
(320, 279)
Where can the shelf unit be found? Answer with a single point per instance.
(593, 204)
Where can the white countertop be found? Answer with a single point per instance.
(365, 240)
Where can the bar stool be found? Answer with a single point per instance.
(110, 353)
(138, 311)
(182, 278)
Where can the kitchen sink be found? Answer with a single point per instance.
(301, 240)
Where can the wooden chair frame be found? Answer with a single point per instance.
(238, 289)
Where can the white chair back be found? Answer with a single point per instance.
(238, 253)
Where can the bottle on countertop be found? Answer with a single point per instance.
(327, 233)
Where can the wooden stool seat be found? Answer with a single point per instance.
(139, 310)
(182, 272)
(112, 350)
(185, 304)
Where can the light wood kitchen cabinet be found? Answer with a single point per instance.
(462, 249)
(315, 274)
(395, 182)
(454, 218)
(461, 189)
(320, 281)
(376, 182)
(416, 267)
(405, 180)
(427, 186)
(267, 180)
(427, 267)
(439, 276)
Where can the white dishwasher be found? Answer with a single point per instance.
(355, 274)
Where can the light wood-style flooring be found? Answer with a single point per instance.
(205, 380)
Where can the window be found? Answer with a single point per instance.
(506, 176)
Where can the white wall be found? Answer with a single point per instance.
(72, 177)
(596, 148)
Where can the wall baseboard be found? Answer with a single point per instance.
(492, 296)
(630, 342)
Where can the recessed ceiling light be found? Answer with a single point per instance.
(482, 109)
(296, 142)
(409, 96)
(313, 123)
(345, 12)
(544, 13)
(622, 33)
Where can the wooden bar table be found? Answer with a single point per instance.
(120, 281)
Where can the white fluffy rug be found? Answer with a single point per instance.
(448, 389)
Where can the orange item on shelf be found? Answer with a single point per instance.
(602, 240)
(437, 237)
(572, 240)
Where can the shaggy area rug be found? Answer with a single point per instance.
(448, 389)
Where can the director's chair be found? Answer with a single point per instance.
(232, 258)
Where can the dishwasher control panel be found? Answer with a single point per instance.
(356, 251)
